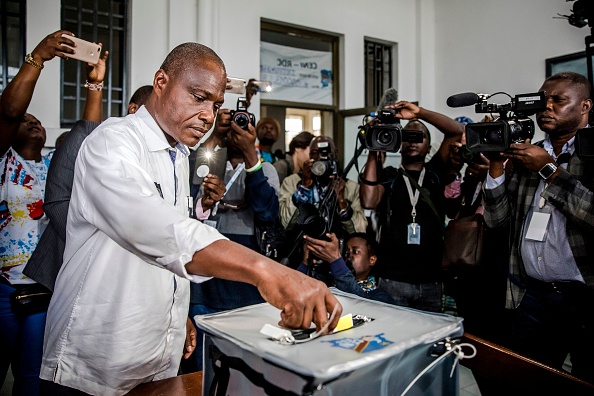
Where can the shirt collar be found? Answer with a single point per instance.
(567, 147)
(156, 140)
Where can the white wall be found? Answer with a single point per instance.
(489, 46)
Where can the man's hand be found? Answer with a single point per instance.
(328, 251)
(190, 343)
(300, 298)
(530, 156)
(52, 45)
(96, 72)
(306, 176)
(479, 170)
(214, 189)
(338, 187)
(244, 141)
(222, 125)
(407, 110)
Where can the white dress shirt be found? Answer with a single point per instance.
(118, 314)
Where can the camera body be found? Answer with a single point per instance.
(512, 125)
(383, 135)
(387, 134)
(242, 116)
(326, 167)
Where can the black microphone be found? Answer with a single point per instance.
(463, 99)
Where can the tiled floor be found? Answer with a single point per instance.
(468, 386)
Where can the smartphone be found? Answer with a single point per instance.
(207, 161)
(85, 51)
(262, 86)
(235, 85)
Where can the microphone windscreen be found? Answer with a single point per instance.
(389, 97)
(463, 99)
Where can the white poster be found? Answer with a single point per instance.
(296, 74)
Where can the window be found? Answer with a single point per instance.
(100, 21)
(12, 38)
(378, 71)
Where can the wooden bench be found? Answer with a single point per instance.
(501, 371)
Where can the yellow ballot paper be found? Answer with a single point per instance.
(345, 323)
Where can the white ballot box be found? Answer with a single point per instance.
(381, 356)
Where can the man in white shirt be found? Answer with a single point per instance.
(118, 314)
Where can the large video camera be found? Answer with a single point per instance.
(241, 116)
(512, 126)
(326, 167)
(386, 133)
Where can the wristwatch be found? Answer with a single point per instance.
(547, 170)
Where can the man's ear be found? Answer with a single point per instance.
(372, 260)
(586, 106)
(132, 107)
(160, 81)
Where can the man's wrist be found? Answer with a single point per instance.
(34, 61)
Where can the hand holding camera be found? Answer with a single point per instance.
(306, 175)
(327, 250)
(406, 110)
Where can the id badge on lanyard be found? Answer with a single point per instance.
(413, 235)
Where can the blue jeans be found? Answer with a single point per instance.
(423, 296)
(21, 345)
(194, 362)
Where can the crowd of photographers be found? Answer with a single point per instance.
(536, 201)
(379, 237)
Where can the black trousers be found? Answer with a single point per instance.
(48, 388)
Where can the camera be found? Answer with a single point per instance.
(387, 134)
(326, 167)
(512, 126)
(468, 156)
(241, 116)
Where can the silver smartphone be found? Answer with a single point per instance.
(85, 50)
(235, 85)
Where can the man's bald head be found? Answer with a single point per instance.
(179, 58)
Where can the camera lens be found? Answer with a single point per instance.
(494, 135)
(318, 168)
(385, 138)
(242, 120)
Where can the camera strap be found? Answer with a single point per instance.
(236, 174)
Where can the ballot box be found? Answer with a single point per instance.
(382, 355)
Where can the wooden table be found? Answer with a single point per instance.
(182, 385)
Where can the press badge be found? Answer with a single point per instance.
(537, 227)
(414, 234)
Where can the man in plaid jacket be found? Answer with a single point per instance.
(548, 197)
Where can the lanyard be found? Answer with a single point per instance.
(414, 198)
(229, 184)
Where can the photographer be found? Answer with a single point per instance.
(412, 218)
(326, 195)
(548, 198)
(248, 193)
(361, 257)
